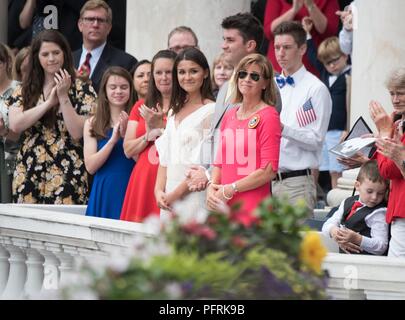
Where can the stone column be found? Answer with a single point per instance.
(378, 47)
(3, 20)
(149, 23)
(4, 268)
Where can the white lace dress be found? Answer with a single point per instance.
(178, 148)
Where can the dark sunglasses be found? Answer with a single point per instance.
(253, 75)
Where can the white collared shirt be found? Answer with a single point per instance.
(301, 147)
(378, 242)
(95, 56)
(332, 78)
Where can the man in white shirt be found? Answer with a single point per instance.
(305, 115)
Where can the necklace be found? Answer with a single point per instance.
(243, 115)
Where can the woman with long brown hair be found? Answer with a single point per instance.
(147, 119)
(49, 112)
(103, 144)
(180, 146)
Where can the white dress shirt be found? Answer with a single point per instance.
(95, 56)
(301, 147)
(378, 242)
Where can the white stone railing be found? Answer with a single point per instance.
(40, 245)
(360, 277)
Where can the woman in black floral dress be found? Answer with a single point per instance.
(49, 111)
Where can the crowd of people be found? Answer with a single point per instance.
(176, 135)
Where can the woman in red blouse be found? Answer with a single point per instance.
(321, 12)
(392, 127)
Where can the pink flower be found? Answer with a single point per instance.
(199, 230)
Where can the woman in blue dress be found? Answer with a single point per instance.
(103, 151)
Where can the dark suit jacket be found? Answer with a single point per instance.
(337, 91)
(110, 57)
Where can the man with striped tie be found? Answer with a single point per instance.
(307, 106)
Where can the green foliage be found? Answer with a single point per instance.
(227, 257)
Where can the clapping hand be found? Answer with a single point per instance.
(346, 17)
(381, 119)
(153, 118)
(123, 123)
(154, 134)
(307, 24)
(115, 136)
(297, 5)
(391, 148)
(52, 99)
(63, 82)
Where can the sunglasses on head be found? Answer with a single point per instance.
(253, 75)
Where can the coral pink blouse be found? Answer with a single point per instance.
(245, 146)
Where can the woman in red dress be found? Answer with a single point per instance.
(146, 121)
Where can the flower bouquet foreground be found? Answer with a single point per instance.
(268, 254)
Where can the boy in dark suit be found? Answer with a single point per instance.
(358, 225)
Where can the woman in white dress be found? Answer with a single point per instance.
(180, 145)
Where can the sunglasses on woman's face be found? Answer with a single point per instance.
(253, 75)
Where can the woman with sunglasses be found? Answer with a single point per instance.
(248, 154)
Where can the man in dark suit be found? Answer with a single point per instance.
(97, 55)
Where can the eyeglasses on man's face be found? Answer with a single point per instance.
(253, 75)
(91, 20)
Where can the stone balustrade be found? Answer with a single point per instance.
(39, 245)
(359, 277)
(39, 248)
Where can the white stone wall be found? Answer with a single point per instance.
(378, 47)
(149, 22)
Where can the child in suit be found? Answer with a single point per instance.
(358, 225)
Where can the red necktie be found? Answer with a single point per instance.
(86, 65)
(355, 206)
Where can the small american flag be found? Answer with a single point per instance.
(306, 114)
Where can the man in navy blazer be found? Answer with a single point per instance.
(96, 55)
